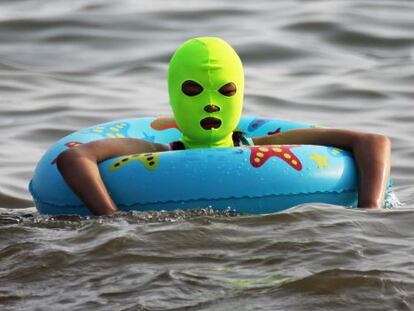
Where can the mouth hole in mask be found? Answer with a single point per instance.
(210, 123)
(228, 89)
(191, 88)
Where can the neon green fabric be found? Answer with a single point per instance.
(212, 63)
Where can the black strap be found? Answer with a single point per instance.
(177, 145)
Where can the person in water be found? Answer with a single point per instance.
(205, 85)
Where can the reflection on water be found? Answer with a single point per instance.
(69, 65)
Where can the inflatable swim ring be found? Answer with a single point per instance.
(247, 179)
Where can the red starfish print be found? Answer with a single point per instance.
(164, 123)
(277, 131)
(260, 154)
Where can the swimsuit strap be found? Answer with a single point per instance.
(240, 140)
(177, 145)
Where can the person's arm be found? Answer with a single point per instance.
(79, 168)
(372, 153)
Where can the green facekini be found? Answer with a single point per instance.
(208, 116)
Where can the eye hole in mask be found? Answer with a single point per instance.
(228, 89)
(191, 88)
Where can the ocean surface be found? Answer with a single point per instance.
(66, 65)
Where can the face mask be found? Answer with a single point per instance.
(205, 85)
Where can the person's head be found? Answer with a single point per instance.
(205, 85)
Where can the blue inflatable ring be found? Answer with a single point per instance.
(247, 179)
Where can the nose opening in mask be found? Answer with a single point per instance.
(211, 108)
